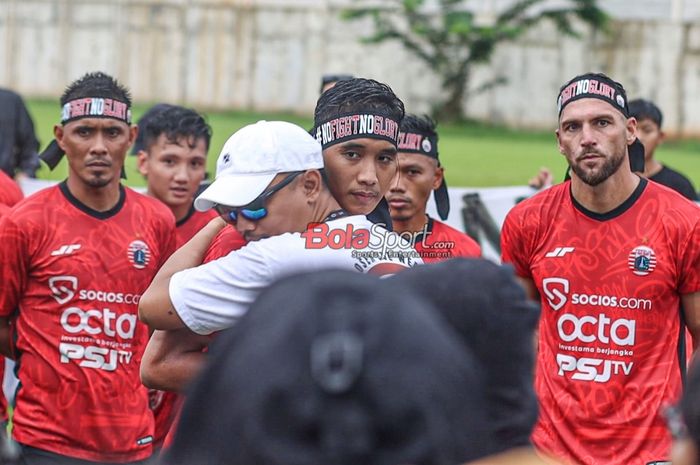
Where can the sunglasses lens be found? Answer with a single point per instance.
(254, 215)
(232, 215)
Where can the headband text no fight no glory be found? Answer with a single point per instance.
(356, 126)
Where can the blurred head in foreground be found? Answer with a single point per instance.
(331, 369)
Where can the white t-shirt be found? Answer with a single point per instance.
(212, 296)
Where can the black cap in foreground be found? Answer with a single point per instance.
(496, 321)
(331, 369)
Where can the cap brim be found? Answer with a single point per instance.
(233, 191)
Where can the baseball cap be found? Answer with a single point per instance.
(348, 374)
(496, 321)
(253, 156)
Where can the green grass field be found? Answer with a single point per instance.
(474, 155)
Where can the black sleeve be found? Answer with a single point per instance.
(27, 144)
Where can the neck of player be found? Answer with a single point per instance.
(97, 198)
(324, 206)
(651, 167)
(415, 223)
(607, 195)
(179, 211)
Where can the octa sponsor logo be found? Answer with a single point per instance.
(601, 328)
(75, 320)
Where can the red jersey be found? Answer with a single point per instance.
(191, 224)
(4, 209)
(10, 193)
(72, 278)
(226, 241)
(443, 242)
(610, 337)
(165, 403)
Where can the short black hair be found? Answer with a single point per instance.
(646, 109)
(328, 78)
(423, 124)
(358, 95)
(96, 84)
(175, 122)
(139, 143)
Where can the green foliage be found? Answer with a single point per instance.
(451, 40)
(473, 154)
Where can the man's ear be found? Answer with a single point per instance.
(631, 127)
(312, 184)
(58, 133)
(561, 148)
(439, 176)
(142, 163)
(133, 132)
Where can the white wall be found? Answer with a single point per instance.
(270, 54)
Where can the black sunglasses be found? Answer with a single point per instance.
(256, 209)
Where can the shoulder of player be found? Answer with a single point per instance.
(33, 209)
(669, 173)
(445, 231)
(10, 191)
(157, 208)
(543, 200)
(444, 228)
(536, 211)
(670, 200)
(201, 218)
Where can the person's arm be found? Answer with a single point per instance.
(155, 307)
(691, 310)
(14, 265)
(530, 288)
(542, 180)
(172, 359)
(5, 338)
(514, 246)
(27, 145)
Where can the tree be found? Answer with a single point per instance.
(452, 42)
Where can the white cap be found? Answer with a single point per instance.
(253, 156)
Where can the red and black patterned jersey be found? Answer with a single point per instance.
(443, 242)
(191, 224)
(228, 240)
(611, 340)
(10, 193)
(72, 278)
(4, 209)
(225, 242)
(165, 404)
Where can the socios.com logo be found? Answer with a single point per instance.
(63, 288)
(555, 291)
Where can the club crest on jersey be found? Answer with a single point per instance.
(139, 254)
(641, 260)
